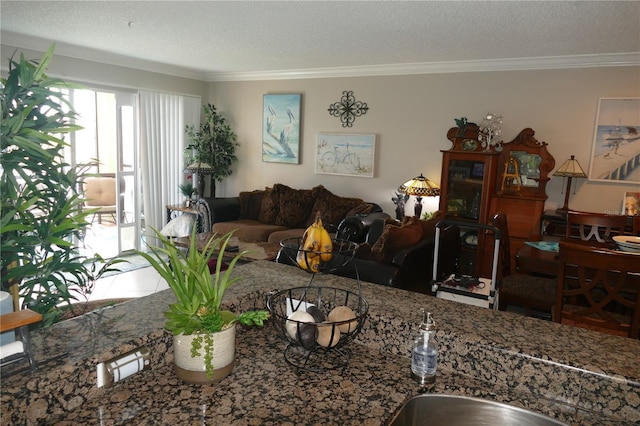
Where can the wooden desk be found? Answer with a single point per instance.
(173, 209)
(530, 260)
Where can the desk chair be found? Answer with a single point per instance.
(535, 294)
(594, 226)
(598, 290)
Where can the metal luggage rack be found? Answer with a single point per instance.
(468, 289)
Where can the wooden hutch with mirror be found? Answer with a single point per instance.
(479, 181)
(520, 190)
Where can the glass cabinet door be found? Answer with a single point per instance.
(464, 189)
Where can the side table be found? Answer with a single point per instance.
(173, 209)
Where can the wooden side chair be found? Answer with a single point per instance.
(20, 349)
(598, 289)
(594, 226)
(635, 225)
(536, 294)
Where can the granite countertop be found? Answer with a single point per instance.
(578, 376)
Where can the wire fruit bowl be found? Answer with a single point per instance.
(342, 253)
(317, 323)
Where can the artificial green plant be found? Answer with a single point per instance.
(213, 143)
(198, 292)
(40, 212)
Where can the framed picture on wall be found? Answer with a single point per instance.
(615, 153)
(281, 128)
(631, 204)
(345, 154)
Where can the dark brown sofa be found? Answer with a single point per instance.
(278, 212)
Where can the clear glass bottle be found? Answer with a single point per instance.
(424, 358)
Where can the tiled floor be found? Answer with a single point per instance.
(138, 283)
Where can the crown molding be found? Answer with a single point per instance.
(10, 39)
(514, 64)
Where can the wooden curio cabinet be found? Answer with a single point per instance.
(466, 187)
(520, 188)
(478, 182)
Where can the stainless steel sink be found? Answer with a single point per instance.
(451, 410)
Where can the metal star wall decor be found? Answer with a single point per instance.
(348, 108)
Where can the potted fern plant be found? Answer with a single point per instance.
(187, 191)
(204, 334)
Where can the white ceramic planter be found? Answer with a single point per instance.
(193, 370)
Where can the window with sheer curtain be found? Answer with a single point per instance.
(163, 118)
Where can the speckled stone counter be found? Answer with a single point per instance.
(577, 376)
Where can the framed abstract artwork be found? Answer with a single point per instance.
(615, 155)
(345, 154)
(281, 128)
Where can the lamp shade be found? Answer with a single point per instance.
(570, 168)
(201, 168)
(420, 187)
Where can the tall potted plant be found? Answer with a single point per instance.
(204, 334)
(214, 144)
(40, 212)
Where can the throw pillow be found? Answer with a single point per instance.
(429, 226)
(363, 251)
(294, 206)
(250, 203)
(332, 208)
(395, 238)
(269, 206)
(363, 208)
(181, 226)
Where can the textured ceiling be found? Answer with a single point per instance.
(208, 38)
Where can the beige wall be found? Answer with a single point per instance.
(411, 115)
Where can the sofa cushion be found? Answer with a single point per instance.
(294, 206)
(247, 230)
(250, 203)
(278, 236)
(395, 238)
(269, 205)
(333, 208)
(428, 226)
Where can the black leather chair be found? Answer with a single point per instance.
(409, 269)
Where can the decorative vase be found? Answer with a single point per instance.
(193, 369)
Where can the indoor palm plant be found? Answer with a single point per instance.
(213, 144)
(41, 215)
(199, 325)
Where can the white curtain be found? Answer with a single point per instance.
(163, 118)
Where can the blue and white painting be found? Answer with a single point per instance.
(616, 146)
(281, 128)
(345, 154)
